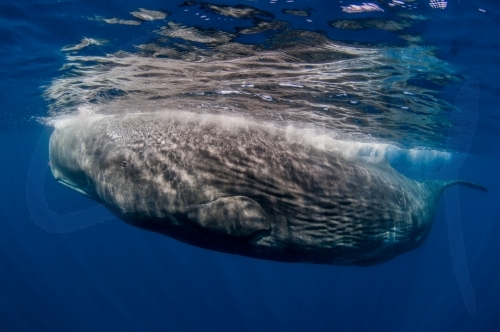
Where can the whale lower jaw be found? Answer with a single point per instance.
(72, 186)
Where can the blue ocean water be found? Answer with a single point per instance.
(62, 271)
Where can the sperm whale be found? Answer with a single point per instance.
(234, 186)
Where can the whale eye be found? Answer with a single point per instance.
(123, 163)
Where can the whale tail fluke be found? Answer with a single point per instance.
(437, 186)
(465, 183)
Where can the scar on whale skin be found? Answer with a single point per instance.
(233, 186)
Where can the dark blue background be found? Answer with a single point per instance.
(112, 276)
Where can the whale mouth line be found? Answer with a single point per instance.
(72, 186)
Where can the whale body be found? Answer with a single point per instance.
(237, 187)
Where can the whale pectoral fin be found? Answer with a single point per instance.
(236, 216)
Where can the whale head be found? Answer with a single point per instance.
(67, 163)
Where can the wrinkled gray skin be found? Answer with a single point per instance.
(239, 188)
